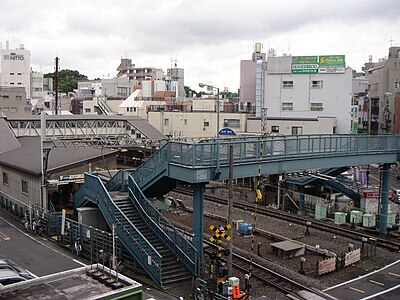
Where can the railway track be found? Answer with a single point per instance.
(266, 276)
(389, 244)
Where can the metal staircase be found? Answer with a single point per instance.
(172, 269)
(104, 108)
(154, 168)
(163, 252)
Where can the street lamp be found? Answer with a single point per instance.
(217, 171)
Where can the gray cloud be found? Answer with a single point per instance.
(208, 37)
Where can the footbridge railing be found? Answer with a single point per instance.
(281, 148)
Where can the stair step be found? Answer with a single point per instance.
(175, 280)
(175, 277)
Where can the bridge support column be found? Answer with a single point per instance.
(383, 218)
(198, 215)
(302, 202)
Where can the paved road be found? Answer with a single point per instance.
(382, 284)
(39, 256)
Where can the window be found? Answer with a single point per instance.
(138, 135)
(317, 84)
(287, 105)
(297, 130)
(233, 123)
(184, 121)
(166, 122)
(5, 109)
(122, 91)
(274, 129)
(27, 109)
(24, 187)
(19, 83)
(19, 73)
(316, 107)
(287, 84)
(87, 110)
(5, 178)
(397, 85)
(6, 96)
(13, 109)
(11, 73)
(206, 124)
(11, 83)
(18, 98)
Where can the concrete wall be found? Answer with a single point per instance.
(194, 124)
(309, 126)
(247, 91)
(13, 101)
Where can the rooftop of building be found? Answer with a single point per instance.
(29, 149)
(72, 284)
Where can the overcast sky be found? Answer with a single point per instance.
(207, 38)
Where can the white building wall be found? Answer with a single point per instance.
(147, 88)
(194, 124)
(309, 126)
(37, 85)
(15, 68)
(160, 86)
(335, 96)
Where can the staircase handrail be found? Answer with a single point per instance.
(153, 166)
(148, 257)
(79, 196)
(103, 106)
(118, 182)
(170, 235)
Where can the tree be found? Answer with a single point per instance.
(190, 93)
(67, 80)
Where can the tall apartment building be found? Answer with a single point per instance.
(37, 84)
(308, 87)
(383, 84)
(176, 79)
(251, 72)
(15, 67)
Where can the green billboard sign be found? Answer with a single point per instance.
(331, 60)
(304, 60)
(304, 64)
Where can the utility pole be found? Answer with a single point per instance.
(56, 86)
(230, 209)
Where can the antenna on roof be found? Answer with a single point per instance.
(391, 41)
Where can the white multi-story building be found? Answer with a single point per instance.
(308, 87)
(15, 68)
(37, 85)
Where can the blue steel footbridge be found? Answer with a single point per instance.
(198, 163)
